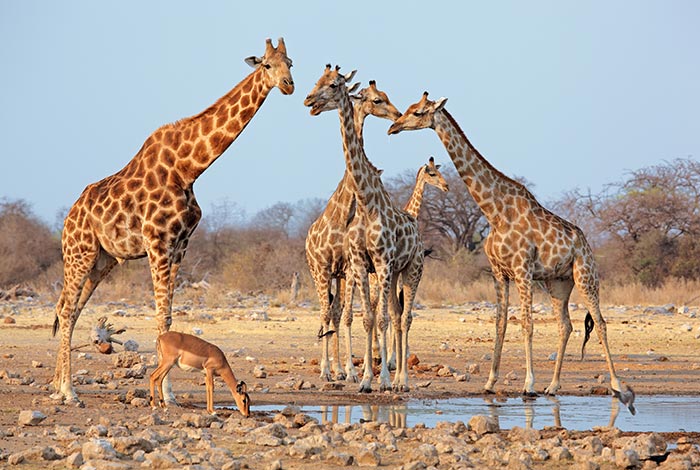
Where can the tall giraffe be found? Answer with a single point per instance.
(379, 233)
(526, 243)
(148, 208)
(428, 174)
(324, 241)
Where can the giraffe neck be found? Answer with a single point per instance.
(360, 171)
(414, 202)
(490, 188)
(191, 145)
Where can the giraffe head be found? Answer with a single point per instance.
(430, 173)
(420, 115)
(374, 101)
(325, 95)
(275, 66)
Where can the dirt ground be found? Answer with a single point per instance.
(656, 350)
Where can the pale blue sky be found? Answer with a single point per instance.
(565, 94)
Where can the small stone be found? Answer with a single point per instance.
(98, 449)
(9, 320)
(131, 345)
(197, 331)
(473, 368)
(483, 424)
(259, 372)
(75, 460)
(31, 418)
(369, 458)
(37, 364)
(413, 360)
(552, 357)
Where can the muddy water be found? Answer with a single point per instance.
(654, 413)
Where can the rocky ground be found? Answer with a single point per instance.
(275, 350)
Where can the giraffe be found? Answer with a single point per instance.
(324, 241)
(526, 243)
(379, 234)
(148, 208)
(428, 174)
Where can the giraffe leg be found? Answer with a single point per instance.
(347, 318)
(385, 286)
(368, 322)
(560, 291)
(78, 269)
(523, 281)
(162, 275)
(337, 311)
(322, 281)
(410, 280)
(586, 279)
(501, 285)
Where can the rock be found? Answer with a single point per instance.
(131, 345)
(198, 420)
(30, 418)
(126, 359)
(473, 368)
(552, 357)
(644, 445)
(275, 465)
(413, 360)
(75, 460)
(369, 457)
(98, 449)
(130, 444)
(197, 331)
(426, 453)
(446, 371)
(37, 364)
(627, 459)
(259, 372)
(159, 459)
(483, 424)
(340, 459)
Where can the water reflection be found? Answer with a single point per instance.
(657, 413)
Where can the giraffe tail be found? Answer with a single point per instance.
(588, 325)
(59, 306)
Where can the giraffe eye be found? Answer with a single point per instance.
(333, 85)
(267, 66)
(417, 113)
(377, 101)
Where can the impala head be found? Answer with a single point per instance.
(420, 115)
(242, 398)
(325, 95)
(430, 172)
(275, 66)
(374, 101)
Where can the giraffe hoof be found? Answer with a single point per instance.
(529, 394)
(365, 389)
(340, 376)
(489, 391)
(352, 379)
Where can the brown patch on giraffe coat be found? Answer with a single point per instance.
(200, 152)
(247, 114)
(149, 181)
(245, 101)
(207, 125)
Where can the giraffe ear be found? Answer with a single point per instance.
(349, 76)
(354, 87)
(440, 103)
(437, 167)
(253, 61)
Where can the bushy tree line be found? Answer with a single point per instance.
(644, 228)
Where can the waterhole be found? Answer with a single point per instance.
(654, 413)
